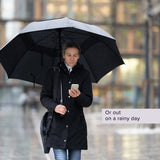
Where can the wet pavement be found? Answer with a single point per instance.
(121, 142)
(20, 139)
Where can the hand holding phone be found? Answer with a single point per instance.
(74, 91)
(73, 86)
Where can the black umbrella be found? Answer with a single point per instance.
(38, 47)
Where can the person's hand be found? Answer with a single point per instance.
(74, 92)
(61, 109)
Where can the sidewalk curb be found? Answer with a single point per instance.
(36, 125)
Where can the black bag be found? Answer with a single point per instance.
(48, 116)
(44, 128)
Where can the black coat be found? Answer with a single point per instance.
(68, 131)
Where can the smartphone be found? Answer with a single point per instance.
(73, 86)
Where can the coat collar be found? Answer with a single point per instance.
(64, 68)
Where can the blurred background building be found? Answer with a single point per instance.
(127, 20)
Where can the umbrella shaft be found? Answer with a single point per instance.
(61, 100)
(60, 45)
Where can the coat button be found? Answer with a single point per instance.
(69, 82)
(66, 126)
(68, 111)
(65, 140)
(69, 96)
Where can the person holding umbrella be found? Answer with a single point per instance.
(68, 131)
(39, 45)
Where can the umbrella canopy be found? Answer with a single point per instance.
(38, 47)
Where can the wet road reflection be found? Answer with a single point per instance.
(107, 143)
(17, 138)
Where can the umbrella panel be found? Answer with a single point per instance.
(27, 70)
(99, 61)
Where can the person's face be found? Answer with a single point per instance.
(71, 56)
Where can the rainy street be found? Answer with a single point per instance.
(17, 135)
(43, 44)
(20, 139)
